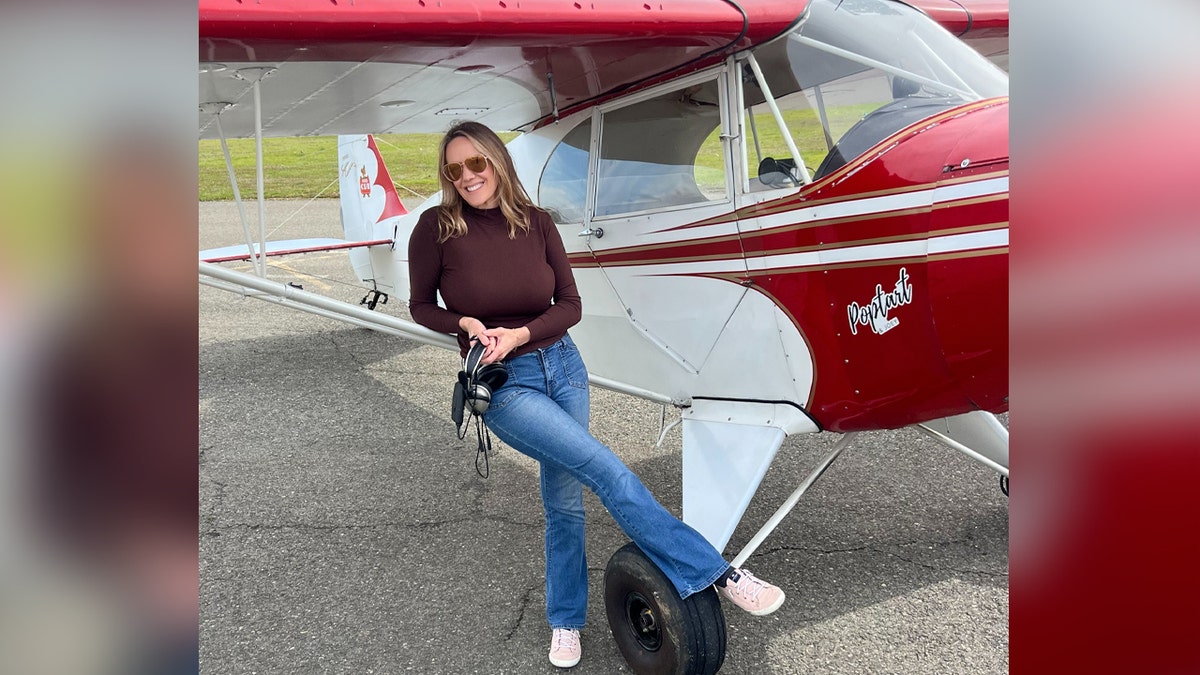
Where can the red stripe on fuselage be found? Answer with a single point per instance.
(834, 188)
(970, 214)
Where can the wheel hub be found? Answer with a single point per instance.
(643, 622)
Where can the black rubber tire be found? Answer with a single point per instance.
(656, 631)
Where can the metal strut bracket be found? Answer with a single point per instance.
(373, 298)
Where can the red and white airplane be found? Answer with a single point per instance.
(784, 218)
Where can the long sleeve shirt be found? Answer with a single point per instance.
(505, 283)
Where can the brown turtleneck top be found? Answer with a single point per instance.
(505, 283)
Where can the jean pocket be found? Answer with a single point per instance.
(501, 399)
(576, 371)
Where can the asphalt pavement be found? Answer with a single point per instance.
(343, 528)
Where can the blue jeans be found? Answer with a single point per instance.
(542, 412)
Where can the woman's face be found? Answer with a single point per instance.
(476, 189)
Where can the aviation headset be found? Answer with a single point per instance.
(473, 393)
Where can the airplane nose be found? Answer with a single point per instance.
(968, 295)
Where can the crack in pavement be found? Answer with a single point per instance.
(360, 364)
(894, 554)
(526, 599)
(937, 568)
(417, 525)
(214, 508)
(989, 574)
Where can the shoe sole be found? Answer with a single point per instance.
(564, 664)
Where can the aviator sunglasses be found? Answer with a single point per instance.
(453, 170)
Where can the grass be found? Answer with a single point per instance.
(306, 167)
(806, 131)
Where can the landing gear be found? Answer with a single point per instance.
(656, 631)
(1004, 485)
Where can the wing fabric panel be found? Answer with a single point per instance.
(414, 65)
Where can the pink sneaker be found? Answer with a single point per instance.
(751, 593)
(564, 647)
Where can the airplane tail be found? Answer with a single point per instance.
(371, 210)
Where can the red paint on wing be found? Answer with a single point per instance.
(968, 19)
(593, 48)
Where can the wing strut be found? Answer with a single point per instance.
(978, 435)
(216, 108)
(248, 285)
(290, 296)
(254, 76)
(788, 505)
(783, 127)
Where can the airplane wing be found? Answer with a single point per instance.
(384, 66)
(983, 24)
(289, 247)
(968, 19)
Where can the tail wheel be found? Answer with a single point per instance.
(658, 632)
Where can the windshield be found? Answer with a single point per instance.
(851, 74)
(843, 37)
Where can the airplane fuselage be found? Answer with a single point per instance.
(874, 297)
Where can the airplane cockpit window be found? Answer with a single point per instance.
(771, 165)
(850, 75)
(563, 188)
(662, 153)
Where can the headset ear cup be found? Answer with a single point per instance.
(487, 379)
(479, 399)
(494, 375)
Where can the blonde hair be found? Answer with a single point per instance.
(514, 201)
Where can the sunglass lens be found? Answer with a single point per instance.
(453, 171)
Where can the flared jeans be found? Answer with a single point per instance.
(542, 411)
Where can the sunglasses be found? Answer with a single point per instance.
(453, 170)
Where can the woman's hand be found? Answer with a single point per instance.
(475, 330)
(501, 341)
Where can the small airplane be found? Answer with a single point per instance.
(783, 218)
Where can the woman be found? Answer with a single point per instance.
(501, 268)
